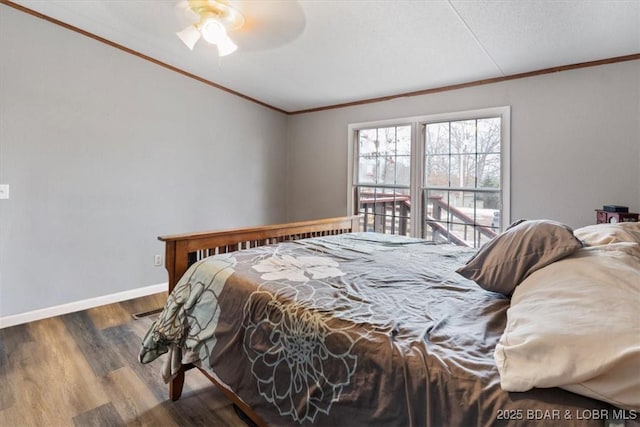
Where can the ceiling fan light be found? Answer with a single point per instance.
(189, 36)
(213, 31)
(216, 17)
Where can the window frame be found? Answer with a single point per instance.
(418, 134)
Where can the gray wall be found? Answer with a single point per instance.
(104, 152)
(575, 143)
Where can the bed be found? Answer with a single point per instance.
(314, 323)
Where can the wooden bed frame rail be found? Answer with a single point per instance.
(182, 250)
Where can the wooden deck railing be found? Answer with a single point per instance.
(391, 213)
(435, 222)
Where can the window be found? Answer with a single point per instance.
(444, 177)
(384, 177)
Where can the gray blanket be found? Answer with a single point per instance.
(358, 329)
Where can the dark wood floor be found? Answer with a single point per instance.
(81, 369)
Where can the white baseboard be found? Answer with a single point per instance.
(58, 310)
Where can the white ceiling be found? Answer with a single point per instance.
(298, 55)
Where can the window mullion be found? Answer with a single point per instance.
(417, 177)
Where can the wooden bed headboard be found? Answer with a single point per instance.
(182, 250)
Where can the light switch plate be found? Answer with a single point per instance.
(4, 191)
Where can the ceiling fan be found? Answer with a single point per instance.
(256, 24)
(213, 19)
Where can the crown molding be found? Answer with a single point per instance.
(136, 53)
(551, 70)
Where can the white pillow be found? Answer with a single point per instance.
(575, 324)
(603, 234)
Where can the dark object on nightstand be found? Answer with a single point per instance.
(603, 216)
(615, 208)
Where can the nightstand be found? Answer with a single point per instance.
(615, 217)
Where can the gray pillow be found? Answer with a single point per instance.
(505, 261)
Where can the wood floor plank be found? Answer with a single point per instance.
(195, 408)
(82, 369)
(220, 406)
(191, 409)
(134, 400)
(11, 339)
(127, 344)
(52, 381)
(97, 351)
(108, 316)
(102, 416)
(120, 313)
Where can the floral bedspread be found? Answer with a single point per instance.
(357, 329)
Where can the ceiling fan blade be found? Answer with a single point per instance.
(268, 23)
(186, 14)
(226, 46)
(189, 36)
